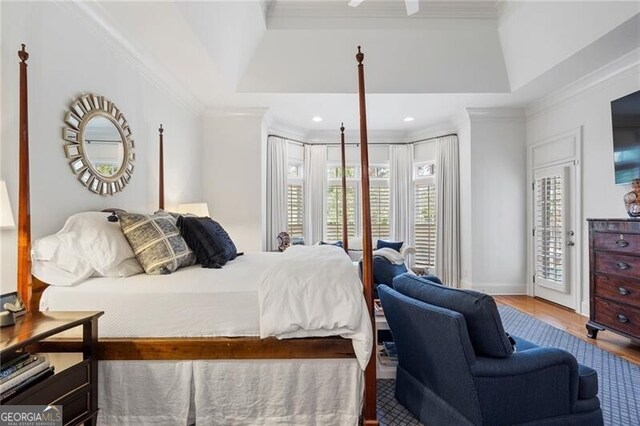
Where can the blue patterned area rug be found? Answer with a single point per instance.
(619, 380)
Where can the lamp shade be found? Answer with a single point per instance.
(6, 215)
(198, 209)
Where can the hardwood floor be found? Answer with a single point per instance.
(573, 323)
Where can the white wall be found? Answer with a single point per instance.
(537, 35)
(69, 57)
(589, 105)
(233, 161)
(493, 201)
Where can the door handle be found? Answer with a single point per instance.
(621, 318)
(571, 243)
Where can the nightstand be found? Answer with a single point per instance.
(75, 382)
(382, 371)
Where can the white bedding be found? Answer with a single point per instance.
(315, 291)
(192, 302)
(230, 392)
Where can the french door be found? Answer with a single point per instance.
(554, 234)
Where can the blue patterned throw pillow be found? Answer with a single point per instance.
(209, 241)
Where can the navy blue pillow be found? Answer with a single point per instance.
(396, 245)
(480, 312)
(208, 240)
(337, 243)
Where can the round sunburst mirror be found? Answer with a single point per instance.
(99, 144)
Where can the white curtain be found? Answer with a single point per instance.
(448, 211)
(401, 192)
(277, 172)
(315, 186)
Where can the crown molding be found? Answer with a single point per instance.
(433, 131)
(106, 27)
(353, 136)
(626, 64)
(257, 112)
(287, 131)
(495, 114)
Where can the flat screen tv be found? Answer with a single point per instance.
(625, 117)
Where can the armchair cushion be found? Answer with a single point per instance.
(480, 312)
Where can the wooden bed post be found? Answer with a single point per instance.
(345, 226)
(370, 416)
(161, 167)
(24, 212)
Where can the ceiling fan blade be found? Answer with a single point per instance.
(355, 3)
(412, 6)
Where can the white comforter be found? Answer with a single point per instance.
(315, 291)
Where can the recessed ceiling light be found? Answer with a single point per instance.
(317, 119)
(408, 119)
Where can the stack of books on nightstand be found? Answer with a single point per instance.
(21, 370)
(387, 354)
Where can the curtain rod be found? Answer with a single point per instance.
(357, 144)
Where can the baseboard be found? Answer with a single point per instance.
(501, 289)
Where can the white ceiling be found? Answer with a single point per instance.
(296, 58)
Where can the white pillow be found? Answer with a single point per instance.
(53, 263)
(94, 239)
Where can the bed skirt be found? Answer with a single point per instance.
(230, 392)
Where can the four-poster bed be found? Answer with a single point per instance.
(201, 348)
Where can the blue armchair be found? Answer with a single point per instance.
(446, 376)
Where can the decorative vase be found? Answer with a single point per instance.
(284, 241)
(632, 199)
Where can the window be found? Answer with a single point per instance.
(295, 205)
(295, 171)
(425, 224)
(334, 212)
(549, 231)
(335, 172)
(379, 172)
(379, 197)
(424, 170)
(295, 201)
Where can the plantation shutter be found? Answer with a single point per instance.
(425, 224)
(334, 212)
(379, 198)
(550, 213)
(295, 212)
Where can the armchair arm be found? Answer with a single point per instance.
(529, 385)
(406, 250)
(525, 362)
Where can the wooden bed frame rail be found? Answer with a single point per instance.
(31, 289)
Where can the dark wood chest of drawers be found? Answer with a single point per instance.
(614, 276)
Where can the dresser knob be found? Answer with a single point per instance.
(621, 318)
(623, 291)
(622, 243)
(623, 265)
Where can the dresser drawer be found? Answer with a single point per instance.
(618, 317)
(627, 243)
(617, 264)
(621, 290)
